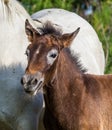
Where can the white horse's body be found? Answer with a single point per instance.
(18, 110)
(86, 44)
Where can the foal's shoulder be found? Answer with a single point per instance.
(98, 82)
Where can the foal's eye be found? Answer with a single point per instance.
(53, 55)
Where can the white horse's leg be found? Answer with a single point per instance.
(41, 124)
(30, 116)
(22, 122)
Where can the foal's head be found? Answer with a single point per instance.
(43, 53)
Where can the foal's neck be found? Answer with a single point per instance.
(63, 93)
(68, 74)
(65, 74)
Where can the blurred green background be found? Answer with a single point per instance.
(96, 12)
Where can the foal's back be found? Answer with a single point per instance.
(97, 103)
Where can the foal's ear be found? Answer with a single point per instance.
(30, 31)
(69, 37)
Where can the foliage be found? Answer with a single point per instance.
(102, 22)
(35, 5)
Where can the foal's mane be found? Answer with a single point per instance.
(75, 60)
(48, 28)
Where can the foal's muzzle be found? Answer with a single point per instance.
(32, 83)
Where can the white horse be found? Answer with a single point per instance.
(18, 110)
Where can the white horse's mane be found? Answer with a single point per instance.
(13, 16)
(12, 21)
(12, 8)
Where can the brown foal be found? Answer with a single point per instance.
(73, 100)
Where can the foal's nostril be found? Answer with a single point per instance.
(34, 81)
(23, 80)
